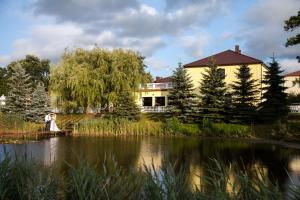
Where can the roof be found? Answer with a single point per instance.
(163, 79)
(296, 73)
(224, 58)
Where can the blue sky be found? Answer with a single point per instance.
(165, 31)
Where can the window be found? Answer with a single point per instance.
(147, 101)
(160, 101)
(221, 73)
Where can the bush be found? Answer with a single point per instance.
(222, 129)
(175, 127)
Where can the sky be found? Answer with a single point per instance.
(164, 31)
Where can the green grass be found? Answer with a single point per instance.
(28, 179)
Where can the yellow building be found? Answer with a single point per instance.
(289, 83)
(154, 97)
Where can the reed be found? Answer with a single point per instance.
(27, 179)
(14, 124)
(118, 127)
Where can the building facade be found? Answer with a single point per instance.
(154, 97)
(289, 82)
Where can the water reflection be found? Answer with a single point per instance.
(192, 154)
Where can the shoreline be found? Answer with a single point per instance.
(287, 143)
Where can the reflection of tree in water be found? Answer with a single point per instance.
(195, 155)
(125, 151)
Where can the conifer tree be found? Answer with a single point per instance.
(18, 98)
(274, 104)
(212, 92)
(244, 95)
(126, 107)
(181, 99)
(39, 104)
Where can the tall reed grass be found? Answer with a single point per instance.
(27, 179)
(14, 124)
(118, 127)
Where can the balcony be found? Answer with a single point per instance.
(156, 109)
(153, 86)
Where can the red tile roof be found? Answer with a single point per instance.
(228, 57)
(296, 73)
(163, 79)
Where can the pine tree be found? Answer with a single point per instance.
(274, 104)
(39, 104)
(126, 107)
(212, 92)
(18, 98)
(245, 91)
(181, 99)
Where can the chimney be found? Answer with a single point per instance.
(237, 49)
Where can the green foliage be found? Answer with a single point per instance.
(290, 25)
(208, 128)
(181, 97)
(27, 179)
(37, 68)
(39, 104)
(175, 127)
(274, 104)
(118, 127)
(244, 95)
(94, 78)
(126, 107)
(212, 92)
(19, 96)
(3, 82)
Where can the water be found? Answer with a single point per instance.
(191, 153)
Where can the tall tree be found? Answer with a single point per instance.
(19, 95)
(94, 78)
(213, 91)
(39, 106)
(37, 68)
(182, 97)
(290, 25)
(3, 82)
(125, 106)
(244, 95)
(274, 104)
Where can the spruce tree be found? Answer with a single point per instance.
(39, 104)
(212, 92)
(274, 104)
(181, 99)
(244, 95)
(19, 94)
(126, 107)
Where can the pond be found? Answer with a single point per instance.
(190, 153)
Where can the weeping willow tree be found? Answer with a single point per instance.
(94, 78)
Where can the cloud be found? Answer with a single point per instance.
(81, 11)
(50, 41)
(195, 44)
(289, 65)
(263, 33)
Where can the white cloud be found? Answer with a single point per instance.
(289, 65)
(195, 44)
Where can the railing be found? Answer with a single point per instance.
(154, 109)
(295, 108)
(168, 85)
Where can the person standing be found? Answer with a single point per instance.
(53, 126)
(47, 122)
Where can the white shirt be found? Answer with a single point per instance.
(47, 118)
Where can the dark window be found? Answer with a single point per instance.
(147, 101)
(221, 73)
(160, 101)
